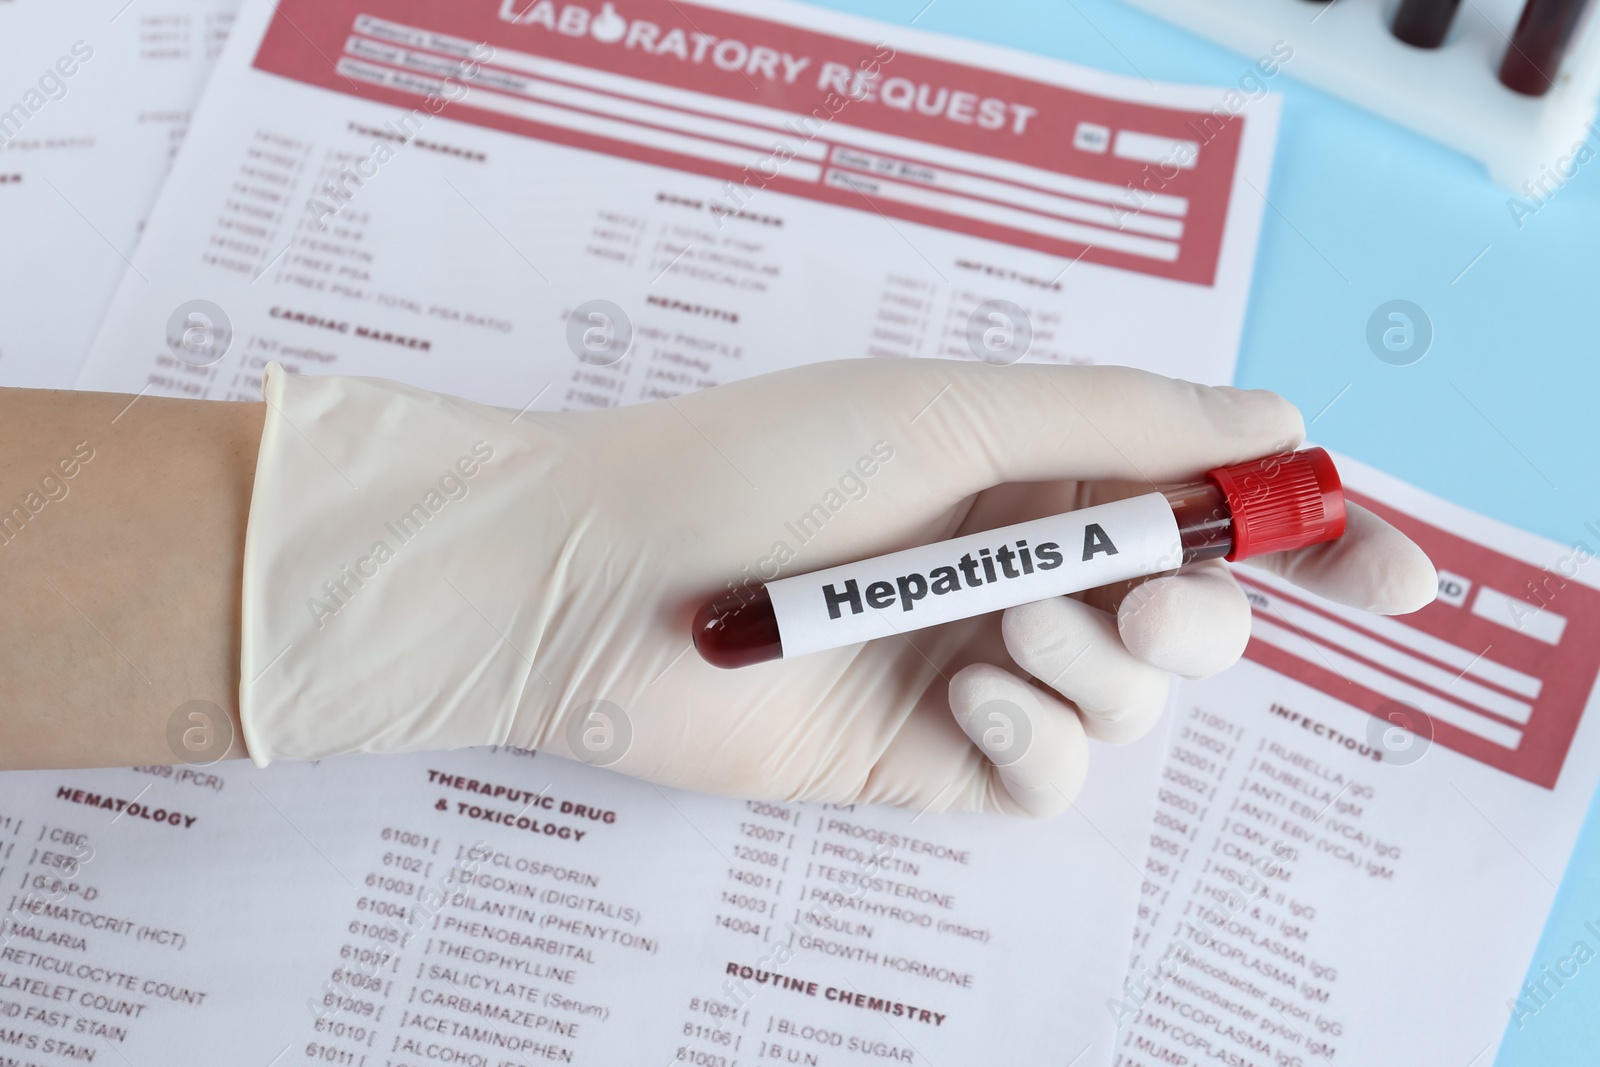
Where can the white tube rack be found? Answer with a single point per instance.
(1451, 94)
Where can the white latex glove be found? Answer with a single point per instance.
(544, 599)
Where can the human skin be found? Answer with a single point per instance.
(120, 583)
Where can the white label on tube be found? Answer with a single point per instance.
(976, 574)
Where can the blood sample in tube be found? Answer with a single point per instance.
(1273, 504)
(1533, 58)
(1424, 23)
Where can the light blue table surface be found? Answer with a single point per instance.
(1500, 416)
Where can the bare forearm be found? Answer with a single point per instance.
(121, 545)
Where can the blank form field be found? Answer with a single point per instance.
(1517, 614)
(1150, 148)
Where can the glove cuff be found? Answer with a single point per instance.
(390, 554)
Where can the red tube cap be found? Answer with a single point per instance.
(1286, 501)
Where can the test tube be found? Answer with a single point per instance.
(1424, 23)
(1534, 56)
(1273, 504)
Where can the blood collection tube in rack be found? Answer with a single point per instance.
(1533, 58)
(1424, 23)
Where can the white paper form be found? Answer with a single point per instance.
(195, 916)
(745, 192)
(455, 263)
(1360, 829)
(95, 96)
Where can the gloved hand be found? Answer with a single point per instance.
(423, 572)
